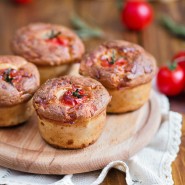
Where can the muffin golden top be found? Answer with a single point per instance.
(47, 44)
(70, 98)
(19, 79)
(118, 64)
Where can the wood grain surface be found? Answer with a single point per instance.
(23, 149)
(105, 14)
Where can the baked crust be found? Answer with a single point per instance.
(129, 98)
(15, 115)
(30, 42)
(47, 100)
(72, 136)
(139, 67)
(11, 94)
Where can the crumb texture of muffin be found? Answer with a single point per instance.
(121, 67)
(19, 80)
(71, 111)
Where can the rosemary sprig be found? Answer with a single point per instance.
(76, 94)
(113, 58)
(172, 26)
(84, 30)
(54, 34)
(7, 76)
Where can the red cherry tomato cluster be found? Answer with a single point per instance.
(171, 79)
(136, 14)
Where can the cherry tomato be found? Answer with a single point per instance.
(105, 63)
(171, 80)
(136, 15)
(68, 99)
(180, 59)
(59, 41)
(63, 41)
(73, 97)
(53, 41)
(121, 62)
(22, 1)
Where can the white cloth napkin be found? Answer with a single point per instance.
(151, 166)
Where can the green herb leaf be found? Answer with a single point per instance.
(113, 58)
(76, 94)
(172, 66)
(84, 30)
(7, 76)
(78, 23)
(54, 34)
(172, 26)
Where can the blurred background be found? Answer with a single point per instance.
(161, 38)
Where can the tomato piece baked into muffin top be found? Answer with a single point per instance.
(18, 82)
(121, 66)
(48, 45)
(71, 108)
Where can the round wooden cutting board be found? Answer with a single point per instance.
(22, 148)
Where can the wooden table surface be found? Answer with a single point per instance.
(104, 13)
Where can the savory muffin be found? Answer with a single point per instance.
(19, 80)
(71, 111)
(50, 47)
(125, 69)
